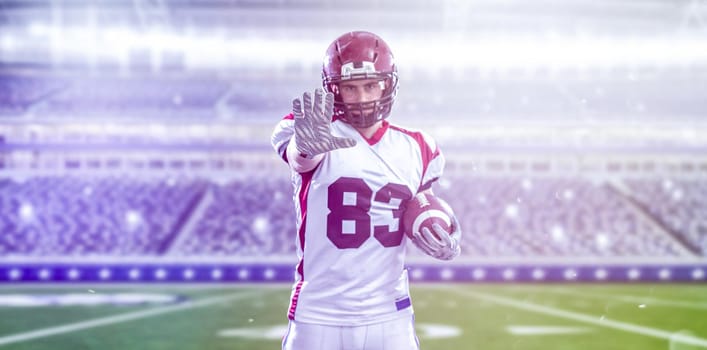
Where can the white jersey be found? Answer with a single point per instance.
(350, 240)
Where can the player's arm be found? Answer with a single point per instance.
(312, 138)
(299, 161)
(440, 244)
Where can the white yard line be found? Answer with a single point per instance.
(545, 330)
(576, 316)
(634, 299)
(130, 316)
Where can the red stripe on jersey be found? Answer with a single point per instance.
(427, 152)
(293, 302)
(283, 148)
(284, 152)
(303, 193)
(304, 190)
(300, 268)
(378, 135)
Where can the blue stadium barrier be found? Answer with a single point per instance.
(272, 273)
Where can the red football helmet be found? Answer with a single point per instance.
(360, 55)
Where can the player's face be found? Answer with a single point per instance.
(361, 91)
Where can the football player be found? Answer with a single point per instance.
(352, 173)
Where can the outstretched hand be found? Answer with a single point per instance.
(312, 125)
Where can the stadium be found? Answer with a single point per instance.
(143, 207)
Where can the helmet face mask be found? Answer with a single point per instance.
(360, 56)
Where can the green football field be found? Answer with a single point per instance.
(448, 316)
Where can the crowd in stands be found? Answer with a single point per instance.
(679, 205)
(69, 216)
(501, 217)
(246, 218)
(552, 217)
(18, 93)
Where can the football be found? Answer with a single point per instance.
(423, 210)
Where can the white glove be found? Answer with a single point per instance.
(440, 244)
(312, 126)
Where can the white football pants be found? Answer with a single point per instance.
(392, 335)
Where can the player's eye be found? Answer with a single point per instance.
(379, 85)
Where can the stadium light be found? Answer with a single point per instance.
(667, 185)
(601, 274)
(478, 273)
(14, 274)
(121, 42)
(160, 274)
(568, 194)
(73, 274)
(104, 273)
(538, 274)
(446, 274)
(570, 274)
(260, 225)
(602, 241)
(527, 184)
(511, 211)
(509, 274)
(664, 274)
(26, 212)
(505, 53)
(38, 29)
(558, 233)
(676, 195)
(7, 43)
(44, 274)
(497, 54)
(133, 219)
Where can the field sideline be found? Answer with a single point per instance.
(449, 316)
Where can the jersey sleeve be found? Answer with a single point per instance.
(432, 162)
(282, 134)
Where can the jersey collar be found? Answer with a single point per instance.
(378, 135)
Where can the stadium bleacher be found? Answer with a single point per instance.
(679, 205)
(243, 218)
(18, 93)
(501, 217)
(110, 216)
